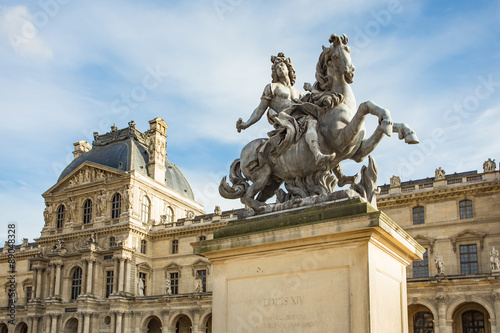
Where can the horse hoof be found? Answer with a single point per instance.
(411, 139)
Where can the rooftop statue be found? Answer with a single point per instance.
(313, 133)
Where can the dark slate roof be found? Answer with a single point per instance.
(125, 150)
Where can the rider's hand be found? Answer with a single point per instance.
(240, 125)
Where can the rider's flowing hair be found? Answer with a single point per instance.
(288, 62)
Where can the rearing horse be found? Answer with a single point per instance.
(341, 131)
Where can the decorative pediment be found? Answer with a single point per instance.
(86, 173)
(468, 235)
(144, 266)
(427, 242)
(201, 264)
(172, 268)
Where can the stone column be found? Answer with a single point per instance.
(86, 326)
(115, 277)
(30, 324)
(57, 287)
(126, 321)
(496, 303)
(165, 316)
(126, 274)
(90, 276)
(34, 325)
(84, 276)
(118, 328)
(47, 323)
(80, 323)
(54, 323)
(113, 321)
(441, 303)
(39, 278)
(121, 275)
(51, 279)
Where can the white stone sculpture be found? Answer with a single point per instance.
(489, 165)
(395, 181)
(101, 204)
(439, 174)
(313, 133)
(140, 287)
(438, 261)
(494, 260)
(197, 285)
(168, 286)
(47, 213)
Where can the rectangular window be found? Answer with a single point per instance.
(421, 267)
(174, 283)
(29, 291)
(143, 246)
(202, 274)
(142, 276)
(175, 246)
(465, 209)
(468, 259)
(418, 215)
(109, 283)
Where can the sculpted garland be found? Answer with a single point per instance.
(313, 133)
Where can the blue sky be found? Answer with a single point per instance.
(68, 66)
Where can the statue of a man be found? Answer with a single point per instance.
(438, 261)
(494, 260)
(168, 286)
(140, 287)
(278, 96)
(197, 285)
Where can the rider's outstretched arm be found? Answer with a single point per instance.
(255, 117)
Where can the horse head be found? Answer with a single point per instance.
(335, 61)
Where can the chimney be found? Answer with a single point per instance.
(81, 147)
(157, 143)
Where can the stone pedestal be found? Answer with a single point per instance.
(337, 267)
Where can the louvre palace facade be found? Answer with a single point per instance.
(115, 254)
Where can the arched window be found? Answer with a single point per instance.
(418, 215)
(87, 211)
(473, 321)
(116, 208)
(423, 322)
(76, 283)
(202, 238)
(145, 209)
(169, 215)
(60, 216)
(465, 209)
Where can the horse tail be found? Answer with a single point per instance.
(240, 184)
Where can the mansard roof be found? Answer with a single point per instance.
(126, 150)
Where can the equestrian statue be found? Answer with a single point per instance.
(313, 133)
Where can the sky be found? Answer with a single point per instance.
(69, 68)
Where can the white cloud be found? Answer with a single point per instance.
(16, 24)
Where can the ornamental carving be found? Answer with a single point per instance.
(489, 165)
(395, 181)
(440, 299)
(47, 213)
(439, 174)
(89, 175)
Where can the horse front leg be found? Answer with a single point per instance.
(351, 130)
(385, 126)
(405, 132)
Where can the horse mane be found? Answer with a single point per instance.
(321, 93)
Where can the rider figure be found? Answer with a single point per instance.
(278, 96)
